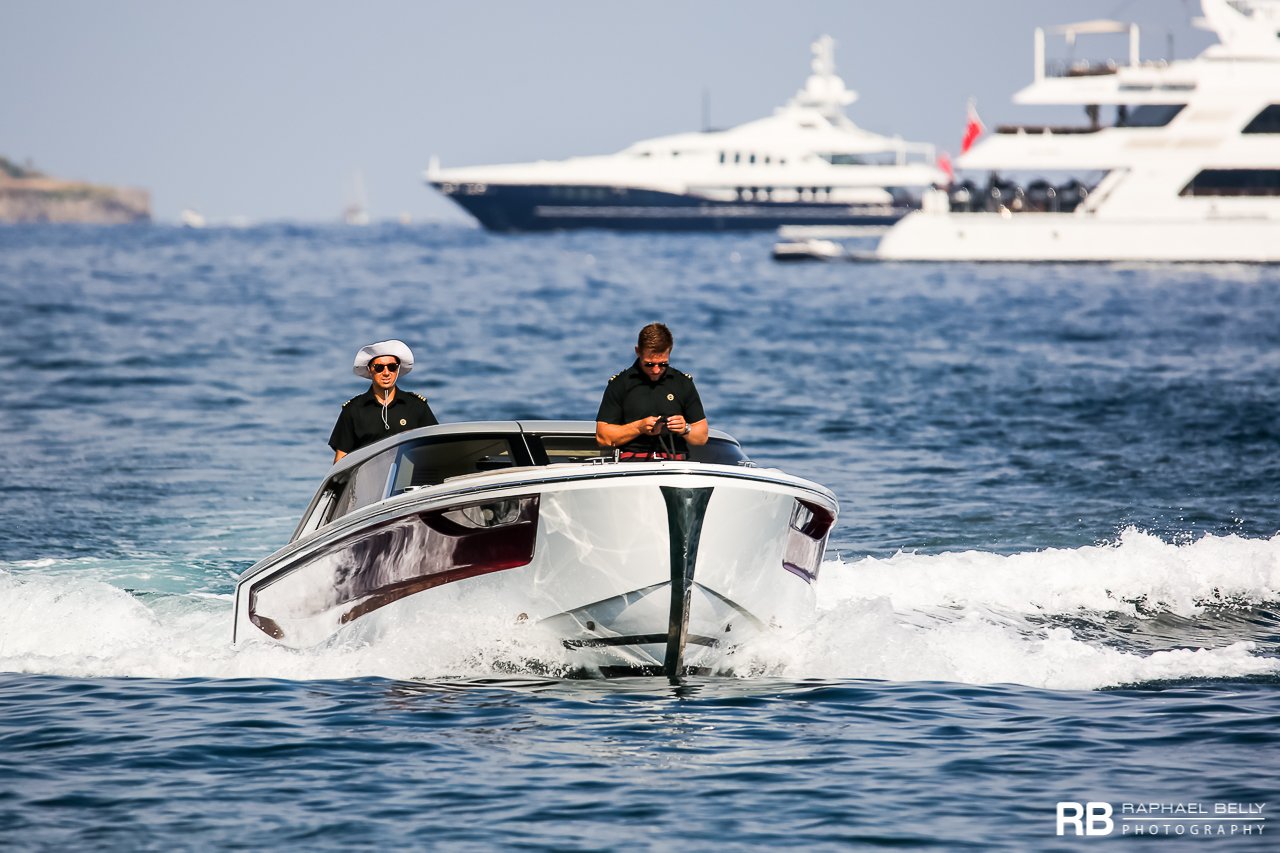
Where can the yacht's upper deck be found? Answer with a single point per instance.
(808, 140)
(1216, 110)
(1248, 31)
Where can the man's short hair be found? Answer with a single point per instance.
(655, 337)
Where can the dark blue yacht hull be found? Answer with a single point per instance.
(551, 208)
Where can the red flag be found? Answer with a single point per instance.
(944, 163)
(972, 130)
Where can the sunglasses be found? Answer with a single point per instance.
(662, 364)
(379, 368)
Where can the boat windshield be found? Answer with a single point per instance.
(426, 462)
(570, 448)
(431, 461)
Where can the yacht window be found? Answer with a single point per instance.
(737, 157)
(1267, 121)
(1234, 182)
(722, 157)
(431, 462)
(752, 159)
(1147, 115)
(843, 159)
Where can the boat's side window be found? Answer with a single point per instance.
(322, 511)
(432, 462)
(1148, 115)
(1267, 121)
(363, 485)
(1234, 182)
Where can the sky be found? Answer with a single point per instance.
(269, 110)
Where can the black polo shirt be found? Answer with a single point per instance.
(631, 395)
(360, 421)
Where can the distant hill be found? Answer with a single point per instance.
(28, 195)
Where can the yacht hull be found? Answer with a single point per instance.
(506, 208)
(627, 568)
(1070, 237)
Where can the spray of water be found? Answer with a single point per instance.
(970, 617)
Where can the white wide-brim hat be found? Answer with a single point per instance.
(394, 348)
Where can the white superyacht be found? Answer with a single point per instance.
(807, 164)
(1189, 167)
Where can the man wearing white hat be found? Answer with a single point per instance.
(384, 409)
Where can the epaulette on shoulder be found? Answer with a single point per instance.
(688, 376)
(614, 376)
(419, 396)
(349, 402)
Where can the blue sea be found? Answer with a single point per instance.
(1053, 590)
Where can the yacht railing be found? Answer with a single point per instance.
(1084, 68)
(1008, 197)
(1045, 128)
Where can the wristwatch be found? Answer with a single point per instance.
(686, 429)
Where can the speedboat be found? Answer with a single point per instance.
(1180, 159)
(808, 249)
(654, 567)
(807, 164)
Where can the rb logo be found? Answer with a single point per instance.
(1087, 819)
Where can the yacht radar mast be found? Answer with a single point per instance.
(1245, 28)
(823, 91)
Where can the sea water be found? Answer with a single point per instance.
(1054, 583)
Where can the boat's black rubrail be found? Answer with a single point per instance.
(686, 510)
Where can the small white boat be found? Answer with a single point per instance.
(357, 210)
(632, 567)
(810, 249)
(190, 218)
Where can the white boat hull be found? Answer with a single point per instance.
(631, 567)
(933, 236)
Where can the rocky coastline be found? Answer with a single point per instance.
(27, 196)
